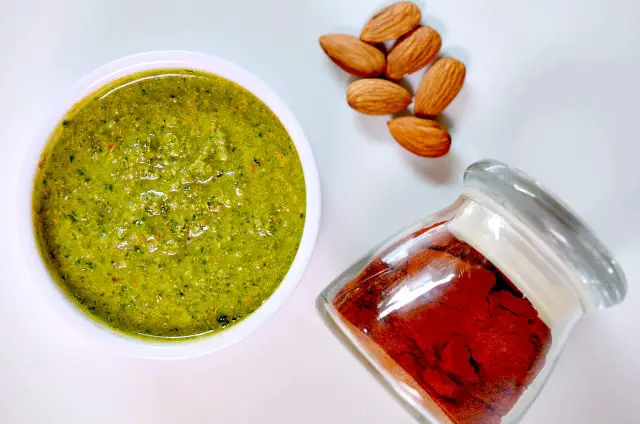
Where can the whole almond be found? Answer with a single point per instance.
(377, 96)
(353, 55)
(422, 137)
(439, 86)
(391, 22)
(413, 52)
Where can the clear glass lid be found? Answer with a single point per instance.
(556, 225)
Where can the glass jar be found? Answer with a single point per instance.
(465, 314)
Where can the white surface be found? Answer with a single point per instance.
(152, 348)
(552, 88)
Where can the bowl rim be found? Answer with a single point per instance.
(96, 330)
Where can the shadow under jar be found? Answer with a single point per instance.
(465, 314)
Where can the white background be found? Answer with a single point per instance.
(552, 88)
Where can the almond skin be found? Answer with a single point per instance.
(439, 86)
(377, 96)
(352, 55)
(413, 52)
(422, 137)
(391, 22)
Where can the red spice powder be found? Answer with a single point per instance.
(452, 321)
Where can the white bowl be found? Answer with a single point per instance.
(190, 347)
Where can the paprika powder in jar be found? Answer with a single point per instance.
(465, 314)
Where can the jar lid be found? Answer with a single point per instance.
(556, 225)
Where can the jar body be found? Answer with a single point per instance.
(463, 315)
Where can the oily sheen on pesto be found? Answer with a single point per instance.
(169, 203)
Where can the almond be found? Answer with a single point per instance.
(354, 56)
(413, 52)
(391, 22)
(439, 86)
(422, 137)
(377, 96)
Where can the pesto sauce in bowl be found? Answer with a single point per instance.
(169, 204)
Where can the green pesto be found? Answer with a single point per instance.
(169, 204)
